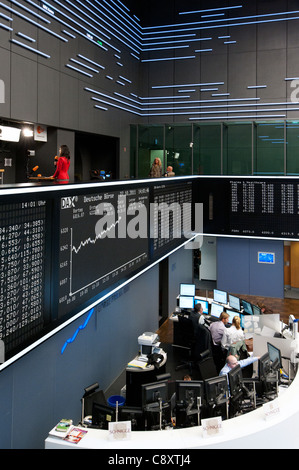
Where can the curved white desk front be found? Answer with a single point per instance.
(249, 431)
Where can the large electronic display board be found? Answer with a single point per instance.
(64, 248)
(103, 238)
(250, 206)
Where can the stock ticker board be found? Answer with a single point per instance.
(253, 207)
(99, 242)
(60, 250)
(22, 270)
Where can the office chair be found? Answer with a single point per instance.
(92, 394)
(203, 342)
(187, 332)
(206, 365)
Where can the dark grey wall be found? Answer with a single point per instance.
(239, 272)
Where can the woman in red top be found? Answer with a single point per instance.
(63, 164)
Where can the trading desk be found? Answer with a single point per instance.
(249, 431)
(254, 430)
(136, 376)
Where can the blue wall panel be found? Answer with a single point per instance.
(239, 272)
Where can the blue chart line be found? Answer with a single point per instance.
(81, 327)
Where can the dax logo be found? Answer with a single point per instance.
(68, 202)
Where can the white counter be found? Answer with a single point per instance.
(249, 431)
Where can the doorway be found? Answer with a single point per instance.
(291, 270)
(96, 152)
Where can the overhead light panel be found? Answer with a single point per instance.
(27, 132)
(10, 134)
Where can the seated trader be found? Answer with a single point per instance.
(217, 330)
(196, 316)
(231, 362)
(233, 334)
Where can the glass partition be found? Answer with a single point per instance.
(207, 149)
(292, 148)
(237, 148)
(178, 148)
(269, 144)
(218, 148)
(150, 146)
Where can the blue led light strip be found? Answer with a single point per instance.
(168, 58)
(33, 22)
(210, 9)
(81, 327)
(78, 70)
(24, 36)
(18, 43)
(8, 28)
(230, 19)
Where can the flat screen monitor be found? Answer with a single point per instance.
(247, 307)
(216, 389)
(154, 392)
(186, 301)
(190, 392)
(220, 296)
(204, 304)
(264, 366)
(133, 414)
(256, 310)
(102, 415)
(216, 310)
(275, 356)
(232, 314)
(187, 289)
(235, 380)
(234, 302)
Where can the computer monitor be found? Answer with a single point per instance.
(190, 392)
(275, 356)
(220, 296)
(216, 389)
(235, 380)
(232, 314)
(189, 399)
(234, 302)
(264, 366)
(133, 414)
(204, 304)
(154, 400)
(256, 310)
(102, 415)
(247, 307)
(216, 310)
(186, 302)
(187, 289)
(154, 392)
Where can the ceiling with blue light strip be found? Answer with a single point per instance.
(129, 35)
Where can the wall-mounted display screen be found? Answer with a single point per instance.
(265, 257)
(64, 248)
(262, 207)
(103, 238)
